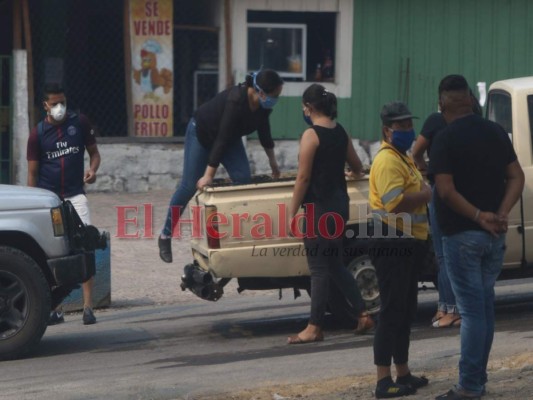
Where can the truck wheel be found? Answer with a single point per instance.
(365, 275)
(24, 303)
(366, 278)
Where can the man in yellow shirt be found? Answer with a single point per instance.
(397, 196)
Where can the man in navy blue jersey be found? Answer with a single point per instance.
(55, 154)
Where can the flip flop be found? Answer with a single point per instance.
(437, 316)
(296, 339)
(455, 322)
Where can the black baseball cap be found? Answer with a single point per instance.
(395, 111)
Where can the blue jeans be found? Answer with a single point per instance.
(195, 159)
(446, 300)
(474, 260)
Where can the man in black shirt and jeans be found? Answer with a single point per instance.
(478, 181)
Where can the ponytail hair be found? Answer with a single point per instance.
(321, 100)
(266, 80)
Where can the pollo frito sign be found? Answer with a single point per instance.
(152, 67)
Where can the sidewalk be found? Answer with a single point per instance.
(138, 276)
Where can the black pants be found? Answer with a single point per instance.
(397, 263)
(325, 261)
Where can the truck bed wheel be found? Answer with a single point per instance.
(366, 278)
(24, 303)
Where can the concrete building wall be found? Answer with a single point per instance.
(142, 167)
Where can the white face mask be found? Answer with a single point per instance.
(58, 112)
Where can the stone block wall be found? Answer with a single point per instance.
(141, 167)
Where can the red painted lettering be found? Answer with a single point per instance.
(152, 28)
(151, 111)
(151, 128)
(151, 9)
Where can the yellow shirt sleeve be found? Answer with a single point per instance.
(389, 182)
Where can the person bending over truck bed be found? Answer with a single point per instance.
(213, 136)
(325, 147)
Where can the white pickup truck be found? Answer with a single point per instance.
(45, 252)
(241, 227)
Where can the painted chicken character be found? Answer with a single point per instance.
(149, 77)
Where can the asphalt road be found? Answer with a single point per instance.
(201, 348)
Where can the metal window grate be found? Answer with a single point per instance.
(81, 44)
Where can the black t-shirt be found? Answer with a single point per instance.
(226, 118)
(432, 125)
(476, 152)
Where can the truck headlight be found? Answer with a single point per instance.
(57, 221)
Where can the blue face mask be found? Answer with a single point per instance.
(307, 119)
(403, 140)
(268, 102)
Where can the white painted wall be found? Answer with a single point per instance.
(21, 121)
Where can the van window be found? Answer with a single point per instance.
(499, 110)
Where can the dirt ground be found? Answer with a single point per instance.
(139, 278)
(508, 379)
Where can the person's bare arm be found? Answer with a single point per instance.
(411, 201)
(419, 149)
(353, 159)
(207, 178)
(33, 173)
(514, 186)
(273, 163)
(94, 163)
(308, 145)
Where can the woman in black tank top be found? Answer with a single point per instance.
(321, 188)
